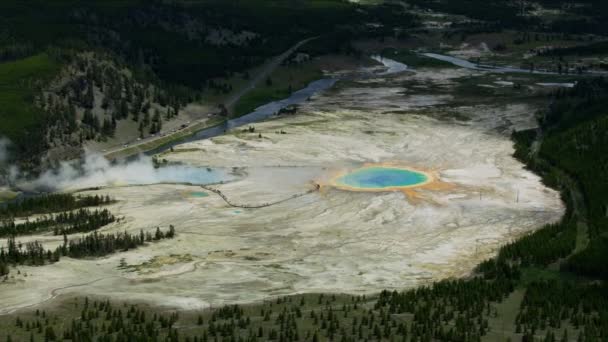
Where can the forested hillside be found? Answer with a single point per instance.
(577, 142)
(71, 70)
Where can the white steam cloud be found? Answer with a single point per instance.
(95, 171)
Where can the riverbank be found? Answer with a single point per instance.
(152, 144)
(284, 82)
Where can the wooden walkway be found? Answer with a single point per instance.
(258, 206)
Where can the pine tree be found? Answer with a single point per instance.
(49, 334)
(124, 109)
(89, 98)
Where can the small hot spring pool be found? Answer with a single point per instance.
(199, 194)
(381, 178)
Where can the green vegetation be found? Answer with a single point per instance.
(70, 217)
(98, 245)
(561, 276)
(544, 286)
(50, 203)
(259, 97)
(92, 245)
(578, 144)
(141, 27)
(278, 86)
(80, 221)
(6, 196)
(182, 49)
(580, 50)
(19, 83)
(549, 285)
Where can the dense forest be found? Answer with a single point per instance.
(578, 144)
(50, 203)
(80, 221)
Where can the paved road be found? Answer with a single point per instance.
(261, 76)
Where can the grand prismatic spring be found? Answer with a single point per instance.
(381, 178)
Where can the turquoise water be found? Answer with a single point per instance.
(379, 177)
(199, 194)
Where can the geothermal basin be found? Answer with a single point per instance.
(284, 237)
(380, 178)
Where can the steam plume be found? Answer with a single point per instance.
(95, 170)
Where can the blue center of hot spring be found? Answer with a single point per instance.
(379, 177)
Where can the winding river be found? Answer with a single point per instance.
(271, 108)
(391, 67)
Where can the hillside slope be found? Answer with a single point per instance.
(84, 67)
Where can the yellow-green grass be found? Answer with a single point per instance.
(285, 80)
(18, 83)
(7, 195)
